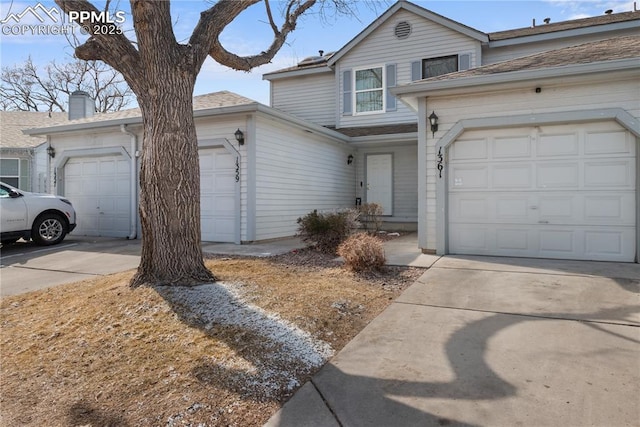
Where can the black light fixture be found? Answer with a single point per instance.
(51, 151)
(239, 136)
(350, 159)
(433, 120)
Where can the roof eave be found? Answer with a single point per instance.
(443, 87)
(576, 32)
(276, 75)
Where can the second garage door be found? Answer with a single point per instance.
(566, 192)
(100, 188)
(218, 195)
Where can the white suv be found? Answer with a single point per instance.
(45, 218)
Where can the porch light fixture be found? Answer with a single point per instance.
(433, 120)
(239, 136)
(350, 159)
(51, 151)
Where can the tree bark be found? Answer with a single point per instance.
(170, 179)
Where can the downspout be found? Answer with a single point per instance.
(133, 226)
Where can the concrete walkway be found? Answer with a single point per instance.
(482, 341)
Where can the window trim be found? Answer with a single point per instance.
(383, 88)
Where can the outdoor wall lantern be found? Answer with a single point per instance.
(239, 136)
(51, 151)
(350, 159)
(433, 120)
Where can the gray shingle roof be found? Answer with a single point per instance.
(13, 122)
(201, 102)
(565, 25)
(627, 47)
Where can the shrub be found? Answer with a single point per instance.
(327, 230)
(371, 216)
(362, 252)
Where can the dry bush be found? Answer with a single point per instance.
(327, 230)
(371, 216)
(362, 252)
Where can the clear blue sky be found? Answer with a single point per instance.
(250, 33)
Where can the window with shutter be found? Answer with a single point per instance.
(369, 90)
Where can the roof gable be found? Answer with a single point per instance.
(410, 7)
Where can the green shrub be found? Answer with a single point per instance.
(362, 252)
(371, 216)
(327, 230)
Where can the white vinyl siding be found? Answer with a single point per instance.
(451, 109)
(405, 183)
(427, 39)
(309, 97)
(297, 172)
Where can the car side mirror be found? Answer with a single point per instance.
(14, 194)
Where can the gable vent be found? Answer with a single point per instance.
(402, 30)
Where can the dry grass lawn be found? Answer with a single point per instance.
(97, 353)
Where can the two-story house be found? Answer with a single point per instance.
(380, 89)
(533, 149)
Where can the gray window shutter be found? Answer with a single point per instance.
(464, 62)
(391, 82)
(346, 93)
(416, 71)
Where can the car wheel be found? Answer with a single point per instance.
(48, 230)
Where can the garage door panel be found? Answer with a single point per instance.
(554, 145)
(612, 142)
(472, 149)
(618, 173)
(573, 197)
(512, 176)
(512, 147)
(469, 176)
(558, 175)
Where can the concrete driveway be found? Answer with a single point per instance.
(27, 267)
(481, 341)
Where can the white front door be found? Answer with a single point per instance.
(100, 189)
(217, 195)
(380, 181)
(565, 192)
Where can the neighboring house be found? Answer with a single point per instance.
(535, 152)
(254, 190)
(18, 153)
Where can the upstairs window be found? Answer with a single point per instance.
(437, 66)
(432, 67)
(369, 90)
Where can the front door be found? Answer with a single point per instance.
(380, 181)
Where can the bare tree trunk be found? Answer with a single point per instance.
(170, 184)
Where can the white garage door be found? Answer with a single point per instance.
(99, 188)
(566, 192)
(218, 195)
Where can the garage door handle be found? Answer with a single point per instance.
(543, 222)
(533, 207)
